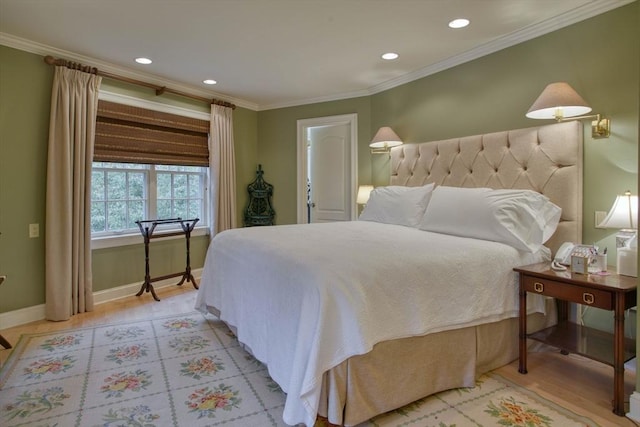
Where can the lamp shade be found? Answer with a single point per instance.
(385, 138)
(556, 101)
(364, 191)
(623, 213)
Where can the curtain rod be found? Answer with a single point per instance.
(159, 89)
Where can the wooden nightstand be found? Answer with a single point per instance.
(613, 292)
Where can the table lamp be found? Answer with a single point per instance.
(624, 216)
(364, 191)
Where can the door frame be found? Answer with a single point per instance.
(302, 126)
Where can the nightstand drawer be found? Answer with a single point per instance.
(569, 292)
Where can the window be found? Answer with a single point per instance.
(149, 162)
(123, 193)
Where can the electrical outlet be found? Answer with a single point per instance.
(34, 230)
(599, 217)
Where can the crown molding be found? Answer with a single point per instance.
(571, 17)
(317, 100)
(536, 30)
(15, 42)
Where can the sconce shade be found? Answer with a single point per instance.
(364, 191)
(623, 213)
(385, 138)
(556, 101)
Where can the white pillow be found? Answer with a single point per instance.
(399, 205)
(523, 219)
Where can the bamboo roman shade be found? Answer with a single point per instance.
(127, 134)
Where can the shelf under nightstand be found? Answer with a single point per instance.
(588, 342)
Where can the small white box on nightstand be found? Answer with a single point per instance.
(628, 261)
(579, 264)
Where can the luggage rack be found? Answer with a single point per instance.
(147, 229)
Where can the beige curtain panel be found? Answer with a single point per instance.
(222, 170)
(74, 102)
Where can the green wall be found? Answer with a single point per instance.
(25, 93)
(599, 57)
(277, 148)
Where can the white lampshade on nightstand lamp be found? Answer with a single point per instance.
(364, 191)
(624, 216)
(384, 140)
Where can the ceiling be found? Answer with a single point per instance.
(268, 54)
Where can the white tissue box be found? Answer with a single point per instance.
(628, 261)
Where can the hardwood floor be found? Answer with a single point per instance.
(576, 383)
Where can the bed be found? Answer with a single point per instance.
(357, 318)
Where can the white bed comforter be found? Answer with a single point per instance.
(304, 298)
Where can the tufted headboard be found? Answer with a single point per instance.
(546, 159)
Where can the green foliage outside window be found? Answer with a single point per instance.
(122, 194)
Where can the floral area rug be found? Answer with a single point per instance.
(494, 401)
(189, 370)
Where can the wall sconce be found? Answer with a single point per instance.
(364, 191)
(384, 139)
(560, 102)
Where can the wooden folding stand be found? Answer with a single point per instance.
(146, 229)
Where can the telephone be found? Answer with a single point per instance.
(567, 250)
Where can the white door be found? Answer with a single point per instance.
(327, 169)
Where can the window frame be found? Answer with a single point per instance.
(124, 239)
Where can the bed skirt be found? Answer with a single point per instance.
(398, 372)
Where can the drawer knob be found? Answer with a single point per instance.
(538, 287)
(588, 298)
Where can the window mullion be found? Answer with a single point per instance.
(126, 199)
(104, 196)
(173, 196)
(152, 184)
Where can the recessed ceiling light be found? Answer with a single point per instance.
(145, 61)
(209, 82)
(389, 56)
(459, 23)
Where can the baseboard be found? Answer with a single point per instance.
(37, 312)
(21, 316)
(634, 407)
